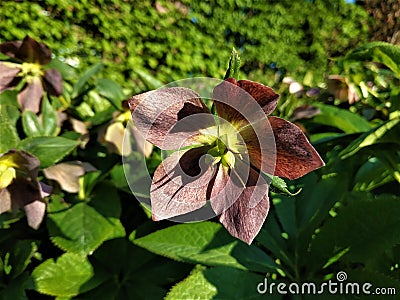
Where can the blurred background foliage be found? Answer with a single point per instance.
(175, 39)
(336, 66)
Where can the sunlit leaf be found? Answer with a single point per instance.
(79, 229)
(371, 175)
(234, 65)
(342, 119)
(49, 150)
(64, 276)
(67, 72)
(379, 52)
(207, 243)
(80, 84)
(8, 112)
(387, 132)
(9, 137)
(49, 118)
(151, 82)
(9, 115)
(110, 90)
(31, 124)
(208, 283)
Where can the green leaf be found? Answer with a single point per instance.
(371, 175)
(30, 124)
(102, 116)
(387, 132)
(79, 229)
(79, 85)
(377, 279)
(15, 289)
(64, 277)
(195, 286)
(49, 118)
(20, 256)
(379, 52)
(150, 82)
(88, 182)
(291, 223)
(9, 113)
(317, 198)
(9, 97)
(345, 120)
(9, 137)
(67, 72)
(280, 185)
(106, 201)
(110, 90)
(48, 150)
(353, 229)
(203, 283)
(119, 258)
(270, 236)
(206, 243)
(234, 65)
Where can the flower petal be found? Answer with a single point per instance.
(10, 48)
(295, 155)
(33, 52)
(156, 112)
(7, 75)
(245, 217)
(24, 161)
(52, 81)
(200, 129)
(236, 100)
(35, 213)
(180, 183)
(25, 191)
(228, 184)
(27, 194)
(31, 95)
(264, 95)
(5, 200)
(66, 174)
(260, 143)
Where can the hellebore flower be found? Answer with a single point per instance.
(20, 188)
(226, 161)
(340, 87)
(26, 67)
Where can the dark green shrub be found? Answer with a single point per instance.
(184, 38)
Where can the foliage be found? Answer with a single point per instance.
(386, 19)
(184, 38)
(98, 242)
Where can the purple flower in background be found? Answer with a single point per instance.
(20, 187)
(26, 69)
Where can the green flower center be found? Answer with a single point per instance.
(224, 143)
(30, 70)
(7, 171)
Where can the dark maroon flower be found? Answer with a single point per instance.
(341, 88)
(20, 188)
(225, 161)
(28, 59)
